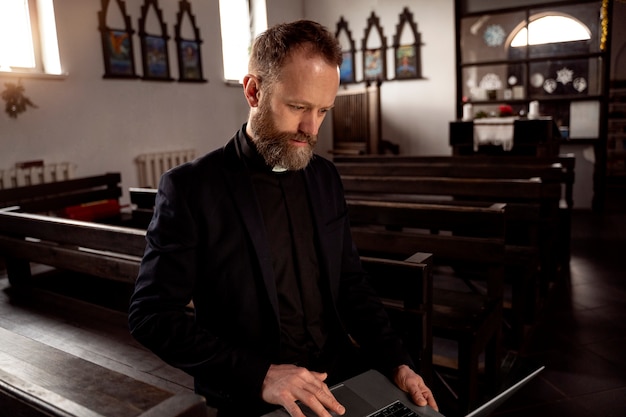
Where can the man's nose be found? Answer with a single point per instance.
(310, 123)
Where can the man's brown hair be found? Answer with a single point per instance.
(271, 48)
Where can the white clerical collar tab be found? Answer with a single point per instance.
(278, 168)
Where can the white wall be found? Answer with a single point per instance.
(103, 124)
(415, 113)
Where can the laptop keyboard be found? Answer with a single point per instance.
(395, 409)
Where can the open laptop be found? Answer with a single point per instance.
(367, 394)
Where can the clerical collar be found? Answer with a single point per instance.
(254, 159)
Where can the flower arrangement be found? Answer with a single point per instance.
(16, 102)
(505, 110)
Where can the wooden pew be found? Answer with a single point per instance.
(455, 167)
(85, 198)
(486, 166)
(558, 170)
(527, 199)
(406, 290)
(115, 252)
(531, 213)
(446, 217)
(39, 380)
(106, 251)
(522, 259)
(472, 319)
(485, 189)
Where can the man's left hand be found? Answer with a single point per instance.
(408, 381)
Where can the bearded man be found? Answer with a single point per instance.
(256, 234)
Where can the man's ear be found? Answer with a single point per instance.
(251, 89)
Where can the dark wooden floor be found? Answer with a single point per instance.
(580, 338)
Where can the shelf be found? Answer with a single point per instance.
(537, 98)
(513, 61)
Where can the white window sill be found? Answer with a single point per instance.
(32, 75)
(233, 83)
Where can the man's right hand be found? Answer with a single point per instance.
(286, 384)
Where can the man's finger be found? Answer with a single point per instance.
(293, 409)
(320, 399)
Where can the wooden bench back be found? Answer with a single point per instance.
(552, 172)
(396, 230)
(61, 194)
(558, 169)
(495, 190)
(106, 251)
(430, 216)
(567, 160)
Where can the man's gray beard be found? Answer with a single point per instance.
(277, 151)
(275, 147)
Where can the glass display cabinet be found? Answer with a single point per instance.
(552, 56)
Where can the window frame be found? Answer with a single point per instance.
(39, 70)
(255, 23)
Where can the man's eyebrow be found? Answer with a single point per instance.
(308, 104)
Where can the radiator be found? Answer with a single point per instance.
(151, 166)
(35, 172)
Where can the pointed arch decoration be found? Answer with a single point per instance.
(154, 51)
(188, 50)
(117, 43)
(347, 71)
(407, 57)
(374, 59)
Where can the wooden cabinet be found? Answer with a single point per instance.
(539, 138)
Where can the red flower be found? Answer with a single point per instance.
(505, 110)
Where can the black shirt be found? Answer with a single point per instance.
(288, 222)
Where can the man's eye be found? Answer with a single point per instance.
(295, 107)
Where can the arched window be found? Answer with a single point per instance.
(550, 29)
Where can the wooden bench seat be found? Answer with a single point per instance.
(40, 380)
